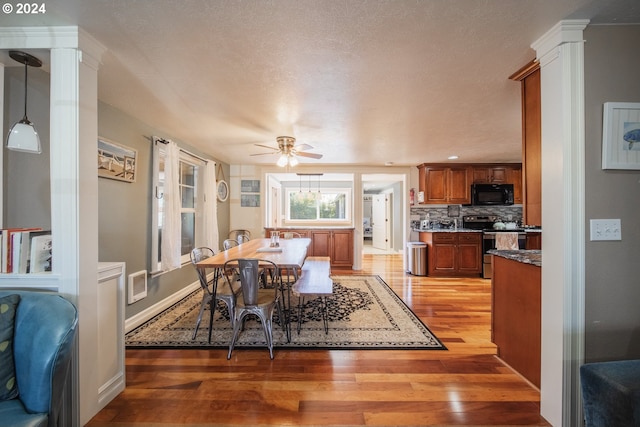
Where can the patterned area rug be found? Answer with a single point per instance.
(364, 313)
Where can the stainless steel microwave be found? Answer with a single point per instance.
(491, 194)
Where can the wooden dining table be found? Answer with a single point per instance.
(289, 257)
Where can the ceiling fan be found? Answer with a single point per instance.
(289, 151)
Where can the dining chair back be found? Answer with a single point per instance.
(212, 291)
(243, 238)
(291, 235)
(229, 243)
(255, 300)
(237, 233)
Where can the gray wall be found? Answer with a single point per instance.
(27, 191)
(612, 316)
(125, 209)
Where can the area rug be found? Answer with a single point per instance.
(364, 313)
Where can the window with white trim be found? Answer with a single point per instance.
(326, 205)
(191, 196)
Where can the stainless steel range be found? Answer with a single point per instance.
(485, 223)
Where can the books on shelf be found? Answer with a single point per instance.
(20, 246)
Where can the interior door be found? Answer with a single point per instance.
(380, 224)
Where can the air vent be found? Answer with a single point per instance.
(137, 286)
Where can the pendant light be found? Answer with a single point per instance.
(23, 135)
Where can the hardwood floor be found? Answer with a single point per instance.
(464, 386)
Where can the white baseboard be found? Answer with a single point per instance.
(138, 319)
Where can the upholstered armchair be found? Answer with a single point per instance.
(41, 344)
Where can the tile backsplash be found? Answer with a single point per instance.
(439, 213)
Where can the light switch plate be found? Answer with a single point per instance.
(605, 229)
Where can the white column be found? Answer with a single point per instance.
(561, 55)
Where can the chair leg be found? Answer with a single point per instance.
(266, 318)
(212, 310)
(239, 320)
(202, 305)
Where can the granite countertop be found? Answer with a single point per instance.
(533, 257)
(446, 230)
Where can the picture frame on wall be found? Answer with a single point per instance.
(250, 186)
(621, 136)
(116, 161)
(250, 200)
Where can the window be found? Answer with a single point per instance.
(191, 173)
(326, 205)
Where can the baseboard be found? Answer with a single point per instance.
(138, 319)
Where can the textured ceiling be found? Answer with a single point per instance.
(363, 82)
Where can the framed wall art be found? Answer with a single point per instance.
(250, 186)
(116, 161)
(250, 200)
(621, 136)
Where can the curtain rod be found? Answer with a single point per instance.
(165, 141)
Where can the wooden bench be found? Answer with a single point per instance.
(315, 281)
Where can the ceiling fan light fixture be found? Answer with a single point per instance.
(282, 161)
(23, 135)
(293, 161)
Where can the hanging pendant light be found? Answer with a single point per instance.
(23, 135)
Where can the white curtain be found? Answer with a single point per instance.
(210, 214)
(171, 234)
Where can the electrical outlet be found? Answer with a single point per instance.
(605, 229)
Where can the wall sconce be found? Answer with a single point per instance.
(23, 135)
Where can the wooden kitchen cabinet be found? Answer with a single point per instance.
(336, 243)
(445, 184)
(490, 175)
(453, 254)
(534, 240)
(451, 184)
(529, 77)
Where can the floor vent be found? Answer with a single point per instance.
(137, 286)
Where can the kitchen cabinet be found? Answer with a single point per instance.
(529, 78)
(516, 315)
(451, 184)
(453, 254)
(534, 240)
(445, 184)
(514, 176)
(336, 243)
(490, 175)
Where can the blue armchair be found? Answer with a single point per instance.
(44, 332)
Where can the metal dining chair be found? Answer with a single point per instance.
(229, 243)
(243, 238)
(240, 235)
(212, 292)
(254, 300)
(290, 235)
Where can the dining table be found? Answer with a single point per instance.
(288, 256)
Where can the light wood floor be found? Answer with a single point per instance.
(465, 385)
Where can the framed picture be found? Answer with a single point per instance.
(250, 200)
(250, 186)
(621, 135)
(116, 161)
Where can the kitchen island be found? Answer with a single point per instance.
(453, 252)
(516, 308)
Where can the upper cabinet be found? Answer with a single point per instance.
(451, 184)
(448, 184)
(529, 77)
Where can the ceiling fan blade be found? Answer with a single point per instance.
(264, 154)
(311, 155)
(303, 147)
(267, 146)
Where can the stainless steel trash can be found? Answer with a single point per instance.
(417, 258)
